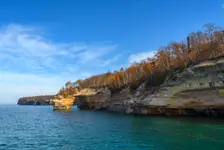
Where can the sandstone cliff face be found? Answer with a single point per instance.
(198, 90)
(61, 103)
(65, 103)
(35, 100)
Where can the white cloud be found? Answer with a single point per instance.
(111, 60)
(140, 56)
(30, 64)
(24, 47)
(18, 42)
(19, 39)
(92, 53)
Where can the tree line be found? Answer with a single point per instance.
(196, 47)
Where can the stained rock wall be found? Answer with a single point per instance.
(198, 90)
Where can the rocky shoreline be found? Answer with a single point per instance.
(35, 100)
(196, 91)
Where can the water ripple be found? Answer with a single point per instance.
(30, 127)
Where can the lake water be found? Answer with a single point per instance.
(40, 128)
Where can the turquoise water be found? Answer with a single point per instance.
(40, 128)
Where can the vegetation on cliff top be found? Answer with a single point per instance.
(198, 46)
(35, 100)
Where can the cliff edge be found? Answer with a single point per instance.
(35, 100)
(197, 90)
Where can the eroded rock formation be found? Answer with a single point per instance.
(64, 103)
(198, 90)
(61, 103)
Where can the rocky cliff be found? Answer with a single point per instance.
(35, 100)
(61, 103)
(197, 90)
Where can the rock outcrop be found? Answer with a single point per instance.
(61, 103)
(35, 100)
(64, 103)
(197, 90)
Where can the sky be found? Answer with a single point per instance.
(43, 43)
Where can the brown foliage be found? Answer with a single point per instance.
(197, 47)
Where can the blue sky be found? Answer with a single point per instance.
(43, 43)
